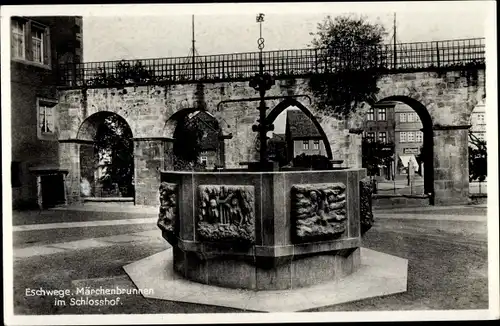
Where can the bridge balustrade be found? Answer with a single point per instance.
(389, 58)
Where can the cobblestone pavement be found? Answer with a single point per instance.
(447, 256)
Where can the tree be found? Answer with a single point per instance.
(478, 159)
(187, 147)
(376, 154)
(114, 145)
(316, 162)
(349, 50)
(123, 74)
(278, 151)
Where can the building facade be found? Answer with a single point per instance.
(302, 136)
(478, 122)
(379, 123)
(409, 137)
(38, 46)
(378, 126)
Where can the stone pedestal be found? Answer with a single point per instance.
(380, 274)
(264, 230)
(451, 165)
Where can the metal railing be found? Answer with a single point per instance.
(279, 64)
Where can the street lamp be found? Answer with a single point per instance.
(262, 82)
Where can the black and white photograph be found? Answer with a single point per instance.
(246, 162)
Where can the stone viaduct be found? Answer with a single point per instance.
(443, 98)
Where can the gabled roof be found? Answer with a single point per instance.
(300, 126)
(278, 137)
(209, 126)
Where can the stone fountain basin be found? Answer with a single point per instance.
(279, 239)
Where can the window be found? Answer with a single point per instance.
(370, 137)
(18, 43)
(411, 136)
(411, 117)
(480, 136)
(402, 137)
(382, 137)
(305, 144)
(46, 118)
(30, 41)
(37, 44)
(382, 114)
(402, 117)
(371, 114)
(419, 136)
(15, 174)
(316, 144)
(480, 118)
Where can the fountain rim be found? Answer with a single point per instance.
(257, 172)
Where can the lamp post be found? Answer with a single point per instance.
(262, 82)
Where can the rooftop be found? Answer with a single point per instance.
(300, 125)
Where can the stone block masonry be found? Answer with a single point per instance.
(449, 98)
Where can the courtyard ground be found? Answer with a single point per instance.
(446, 249)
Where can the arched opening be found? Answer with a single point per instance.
(405, 127)
(198, 142)
(296, 133)
(106, 157)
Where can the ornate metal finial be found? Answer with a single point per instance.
(260, 41)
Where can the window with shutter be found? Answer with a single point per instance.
(18, 39)
(30, 42)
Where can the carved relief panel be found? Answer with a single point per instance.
(365, 206)
(318, 211)
(168, 207)
(226, 214)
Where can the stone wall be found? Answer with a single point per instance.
(70, 161)
(148, 161)
(451, 164)
(448, 97)
(27, 84)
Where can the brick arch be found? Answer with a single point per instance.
(472, 105)
(282, 106)
(423, 105)
(172, 122)
(88, 128)
(87, 154)
(427, 128)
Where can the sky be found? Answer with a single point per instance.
(116, 32)
(166, 33)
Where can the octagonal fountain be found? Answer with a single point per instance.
(264, 230)
(245, 238)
